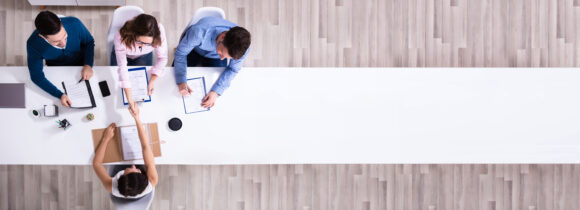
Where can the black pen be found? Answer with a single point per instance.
(80, 80)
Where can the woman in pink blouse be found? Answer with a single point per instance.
(134, 45)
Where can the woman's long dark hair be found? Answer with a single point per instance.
(142, 25)
(134, 183)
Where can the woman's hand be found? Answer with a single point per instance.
(151, 82)
(129, 97)
(109, 132)
(134, 110)
(150, 88)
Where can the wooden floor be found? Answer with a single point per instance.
(333, 33)
(341, 187)
(352, 33)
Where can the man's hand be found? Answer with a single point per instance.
(209, 100)
(134, 110)
(87, 72)
(184, 89)
(65, 101)
(109, 132)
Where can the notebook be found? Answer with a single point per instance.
(12, 95)
(79, 93)
(139, 82)
(192, 102)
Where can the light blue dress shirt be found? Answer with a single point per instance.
(201, 37)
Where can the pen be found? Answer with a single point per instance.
(80, 80)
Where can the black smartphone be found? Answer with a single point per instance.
(104, 88)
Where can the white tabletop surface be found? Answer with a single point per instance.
(323, 115)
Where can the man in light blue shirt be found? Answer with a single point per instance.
(209, 43)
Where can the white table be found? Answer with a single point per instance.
(324, 115)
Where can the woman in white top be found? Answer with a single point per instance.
(134, 181)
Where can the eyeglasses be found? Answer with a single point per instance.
(143, 43)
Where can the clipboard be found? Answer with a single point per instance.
(113, 152)
(204, 92)
(148, 99)
(90, 94)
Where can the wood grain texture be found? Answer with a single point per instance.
(340, 187)
(332, 33)
(348, 33)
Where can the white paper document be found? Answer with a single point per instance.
(130, 143)
(78, 93)
(139, 84)
(192, 102)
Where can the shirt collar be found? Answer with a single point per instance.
(214, 36)
(57, 47)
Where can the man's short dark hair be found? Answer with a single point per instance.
(237, 41)
(47, 23)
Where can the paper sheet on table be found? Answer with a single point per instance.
(49, 110)
(139, 84)
(192, 102)
(130, 143)
(78, 93)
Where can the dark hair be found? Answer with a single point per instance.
(47, 23)
(134, 183)
(237, 41)
(142, 25)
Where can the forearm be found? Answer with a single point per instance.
(147, 153)
(153, 78)
(159, 68)
(180, 69)
(89, 53)
(37, 76)
(88, 43)
(47, 86)
(122, 70)
(224, 80)
(128, 94)
(100, 155)
(186, 45)
(145, 144)
(36, 70)
(100, 152)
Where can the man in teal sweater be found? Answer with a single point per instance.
(61, 42)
